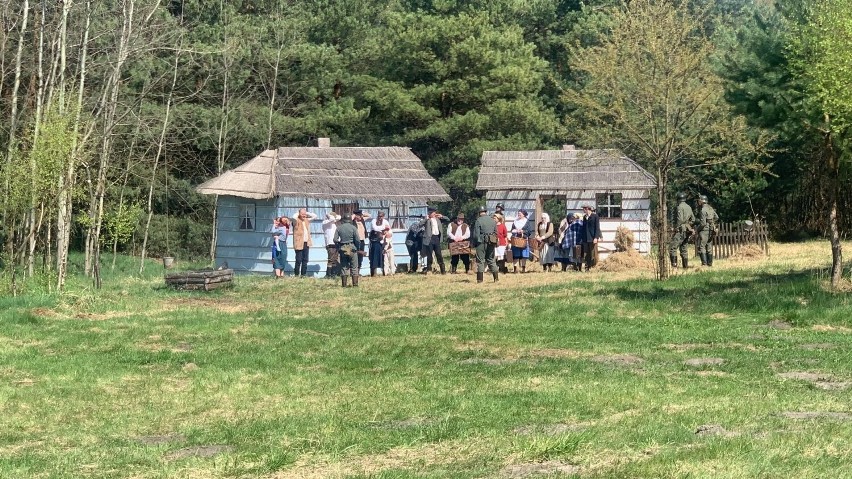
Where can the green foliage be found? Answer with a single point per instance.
(121, 221)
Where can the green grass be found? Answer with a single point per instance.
(430, 377)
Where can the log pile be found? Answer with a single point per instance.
(206, 280)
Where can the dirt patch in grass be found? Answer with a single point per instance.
(711, 430)
(818, 346)
(833, 385)
(554, 353)
(779, 324)
(618, 359)
(534, 469)
(700, 362)
(159, 439)
(720, 316)
(718, 374)
(488, 361)
(840, 416)
(550, 429)
(829, 328)
(198, 451)
(805, 376)
(230, 305)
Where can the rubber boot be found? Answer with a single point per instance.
(703, 257)
(685, 262)
(344, 280)
(372, 272)
(479, 277)
(355, 280)
(453, 269)
(496, 276)
(442, 268)
(564, 267)
(673, 259)
(709, 258)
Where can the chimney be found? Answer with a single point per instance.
(568, 147)
(324, 142)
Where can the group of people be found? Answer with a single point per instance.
(688, 227)
(349, 239)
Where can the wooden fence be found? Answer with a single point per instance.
(733, 236)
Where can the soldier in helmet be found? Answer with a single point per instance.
(485, 239)
(708, 222)
(682, 221)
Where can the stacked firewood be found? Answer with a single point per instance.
(201, 279)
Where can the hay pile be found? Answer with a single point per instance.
(624, 239)
(625, 261)
(749, 251)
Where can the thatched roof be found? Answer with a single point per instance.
(561, 170)
(370, 173)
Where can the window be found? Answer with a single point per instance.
(344, 209)
(608, 205)
(247, 217)
(398, 215)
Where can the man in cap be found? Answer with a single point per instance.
(458, 239)
(358, 218)
(591, 235)
(346, 238)
(485, 239)
(432, 236)
(683, 221)
(707, 227)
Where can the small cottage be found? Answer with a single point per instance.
(562, 181)
(321, 179)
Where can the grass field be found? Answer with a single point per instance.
(742, 371)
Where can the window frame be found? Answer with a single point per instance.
(247, 214)
(606, 205)
(398, 214)
(345, 209)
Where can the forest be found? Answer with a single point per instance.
(114, 110)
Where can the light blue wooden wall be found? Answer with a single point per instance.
(250, 251)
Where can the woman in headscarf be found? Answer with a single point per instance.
(562, 255)
(522, 229)
(546, 237)
(377, 243)
(574, 238)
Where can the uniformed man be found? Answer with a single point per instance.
(485, 239)
(683, 230)
(346, 238)
(708, 222)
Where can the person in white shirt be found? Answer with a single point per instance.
(458, 237)
(329, 227)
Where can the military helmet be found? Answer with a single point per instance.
(482, 209)
(681, 196)
(702, 198)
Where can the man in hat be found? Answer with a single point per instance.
(346, 238)
(432, 237)
(458, 239)
(414, 244)
(591, 235)
(485, 239)
(683, 229)
(707, 227)
(329, 227)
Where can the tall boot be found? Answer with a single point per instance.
(564, 267)
(344, 280)
(479, 277)
(709, 258)
(355, 278)
(372, 272)
(514, 268)
(703, 257)
(495, 275)
(443, 271)
(453, 269)
(673, 259)
(685, 262)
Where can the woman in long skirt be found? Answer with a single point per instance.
(545, 236)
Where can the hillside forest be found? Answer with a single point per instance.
(114, 110)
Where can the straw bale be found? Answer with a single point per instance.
(626, 261)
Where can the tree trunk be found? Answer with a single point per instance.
(663, 266)
(40, 92)
(833, 185)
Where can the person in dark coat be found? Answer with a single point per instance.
(414, 244)
(433, 235)
(591, 235)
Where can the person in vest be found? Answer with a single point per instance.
(302, 240)
(377, 243)
(329, 227)
(708, 223)
(592, 234)
(358, 218)
(683, 229)
(485, 239)
(459, 233)
(346, 238)
(432, 236)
